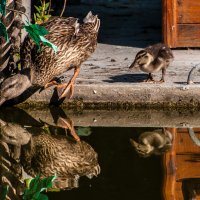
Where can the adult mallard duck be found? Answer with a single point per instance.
(153, 59)
(75, 44)
(49, 155)
(153, 142)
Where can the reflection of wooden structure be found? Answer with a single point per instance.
(181, 23)
(180, 164)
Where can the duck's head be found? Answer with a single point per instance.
(93, 20)
(143, 58)
(141, 149)
(13, 87)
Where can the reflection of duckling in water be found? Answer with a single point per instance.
(153, 142)
(50, 155)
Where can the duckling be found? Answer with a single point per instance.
(50, 155)
(153, 59)
(75, 42)
(153, 142)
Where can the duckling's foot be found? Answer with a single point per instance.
(160, 81)
(64, 123)
(149, 80)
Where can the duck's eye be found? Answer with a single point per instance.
(145, 56)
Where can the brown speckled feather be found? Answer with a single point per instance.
(75, 44)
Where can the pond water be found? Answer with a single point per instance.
(112, 161)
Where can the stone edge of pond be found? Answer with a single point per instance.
(121, 97)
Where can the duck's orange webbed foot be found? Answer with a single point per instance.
(51, 83)
(65, 90)
(68, 124)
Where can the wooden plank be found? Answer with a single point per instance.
(169, 22)
(187, 166)
(185, 145)
(188, 35)
(169, 168)
(188, 11)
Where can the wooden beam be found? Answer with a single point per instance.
(169, 22)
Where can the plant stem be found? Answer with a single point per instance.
(64, 6)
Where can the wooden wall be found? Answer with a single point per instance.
(181, 23)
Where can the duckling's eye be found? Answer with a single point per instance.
(145, 56)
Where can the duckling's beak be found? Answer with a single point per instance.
(134, 143)
(133, 65)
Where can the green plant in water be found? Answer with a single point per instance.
(36, 186)
(42, 13)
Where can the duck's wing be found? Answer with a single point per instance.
(61, 31)
(154, 49)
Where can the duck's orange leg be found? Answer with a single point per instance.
(68, 124)
(51, 83)
(67, 89)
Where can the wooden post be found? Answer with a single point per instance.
(169, 22)
(169, 166)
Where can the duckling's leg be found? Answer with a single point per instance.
(68, 124)
(150, 78)
(68, 88)
(162, 80)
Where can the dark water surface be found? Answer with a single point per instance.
(119, 161)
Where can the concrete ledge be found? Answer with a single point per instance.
(152, 95)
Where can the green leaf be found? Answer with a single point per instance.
(36, 186)
(43, 197)
(4, 192)
(49, 44)
(37, 8)
(3, 31)
(3, 7)
(46, 6)
(37, 32)
(84, 131)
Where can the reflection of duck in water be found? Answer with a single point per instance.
(50, 155)
(153, 142)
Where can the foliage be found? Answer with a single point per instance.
(37, 32)
(42, 14)
(4, 192)
(36, 186)
(84, 131)
(3, 31)
(3, 7)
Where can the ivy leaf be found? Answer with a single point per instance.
(49, 44)
(3, 31)
(36, 186)
(3, 7)
(4, 192)
(37, 32)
